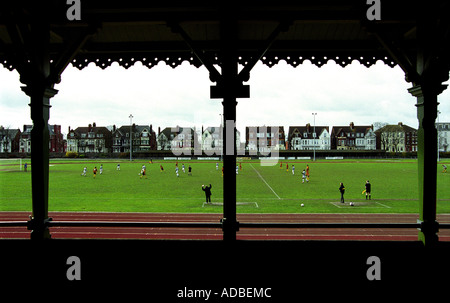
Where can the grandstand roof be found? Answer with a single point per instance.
(174, 31)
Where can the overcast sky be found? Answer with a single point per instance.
(166, 97)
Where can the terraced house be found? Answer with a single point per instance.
(397, 138)
(142, 138)
(90, 139)
(263, 139)
(353, 137)
(56, 142)
(309, 137)
(9, 139)
(183, 139)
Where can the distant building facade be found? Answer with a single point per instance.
(443, 136)
(9, 140)
(142, 138)
(56, 142)
(309, 137)
(397, 138)
(264, 139)
(353, 137)
(90, 139)
(25, 139)
(179, 139)
(212, 140)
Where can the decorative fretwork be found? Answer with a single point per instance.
(126, 61)
(7, 64)
(319, 60)
(175, 59)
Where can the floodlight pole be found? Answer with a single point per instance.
(314, 135)
(131, 137)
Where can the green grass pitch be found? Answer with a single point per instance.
(260, 189)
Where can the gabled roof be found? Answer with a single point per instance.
(362, 129)
(9, 132)
(76, 135)
(124, 129)
(308, 130)
(95, 130)
(175, 131)
(395, 128)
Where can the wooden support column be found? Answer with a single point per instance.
(427, 103)
(228, 84)
(36, 77)
(431, 70)
(229, 87)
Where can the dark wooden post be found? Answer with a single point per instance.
(38, 87)
(431, 72)
(427, 103)
(229, 85)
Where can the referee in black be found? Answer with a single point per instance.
(368, 188)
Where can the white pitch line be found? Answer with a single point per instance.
(265, 182)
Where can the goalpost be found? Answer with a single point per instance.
(12, 164)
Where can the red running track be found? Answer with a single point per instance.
(376, 234)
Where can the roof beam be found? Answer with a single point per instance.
(399, 56)
(214, 74)
(69, 52)
(283, 26)
(245, 46)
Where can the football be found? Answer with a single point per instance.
(351, 204)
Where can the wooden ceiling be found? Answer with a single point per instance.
(150, 31)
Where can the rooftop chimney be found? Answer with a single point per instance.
(352, 125)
